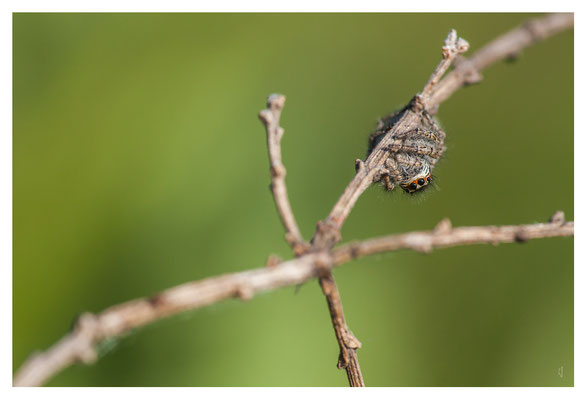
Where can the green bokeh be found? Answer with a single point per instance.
(139, 164)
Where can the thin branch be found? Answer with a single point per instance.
(446, 236)
(270, 118)
(120, 319)
(434, 92)
(347, 342)
(506, 46)
(328, 231)
(453, 46)
(116, 321)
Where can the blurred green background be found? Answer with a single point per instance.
(140, 163)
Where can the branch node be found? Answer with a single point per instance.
(470, 74)
(273, 261)
(359, 165)
(535, 29)
(244, 292)
(323, 263)
(351, 341)
(277, 171)
(266, 117)
(558, 218)
(419, 242)
(86, 328)
(327, 234)
(521, 236)
(444, 226)
(417, 103)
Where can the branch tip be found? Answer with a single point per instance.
(266, 117)
(275, 101)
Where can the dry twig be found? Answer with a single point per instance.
(506, 46)
(328, 231)
(116, 321)
(270, 118)
(318, 259)
(435, 91)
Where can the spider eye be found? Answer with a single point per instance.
(421, 182)
(413, 186)
(429, 179)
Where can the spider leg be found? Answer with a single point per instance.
(408, 146)
(437, 129)
(389, 186)
(393, 170)
(429, 134)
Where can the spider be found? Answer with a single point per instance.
(412, 154)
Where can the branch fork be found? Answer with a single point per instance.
(317, 258)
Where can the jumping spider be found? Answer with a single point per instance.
(412, 154)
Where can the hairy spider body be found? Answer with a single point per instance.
(412, 154)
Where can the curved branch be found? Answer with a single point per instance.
(90, 330)
(270, 118)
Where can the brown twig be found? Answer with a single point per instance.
(328, 231)
(505, 46)
(434, 92)
(270, 118)
(445, 236)
(116, 321)
(453, 46)
(348, 344)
